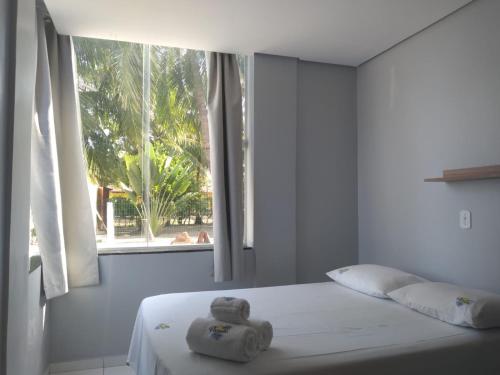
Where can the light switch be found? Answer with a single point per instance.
(465, 222)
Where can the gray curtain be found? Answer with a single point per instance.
(60, 201)
(226, 163)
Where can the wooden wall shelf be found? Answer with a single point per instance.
(468, 174)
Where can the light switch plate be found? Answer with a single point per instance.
(465, 221)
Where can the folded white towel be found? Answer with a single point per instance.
(230, 309)
(264, 332)
(222, 340)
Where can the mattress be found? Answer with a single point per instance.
(320, 328)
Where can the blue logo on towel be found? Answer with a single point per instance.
(463, 301)
(219, 330)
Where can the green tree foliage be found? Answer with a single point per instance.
(110, 82)
(170, 183)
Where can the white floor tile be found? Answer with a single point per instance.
(115, 361)
(80, 365)
(122, 370)
(96, 371)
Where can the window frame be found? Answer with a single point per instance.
(147, 247)
(248, 148)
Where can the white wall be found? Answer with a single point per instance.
(433, 103)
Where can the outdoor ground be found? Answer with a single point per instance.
(136, 240)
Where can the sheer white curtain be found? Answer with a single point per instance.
(60, 202)
(226, 163)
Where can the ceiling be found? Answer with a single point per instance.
(346, 32)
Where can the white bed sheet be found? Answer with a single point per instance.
(320, 328)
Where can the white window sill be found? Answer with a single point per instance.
(151, 249)
(35, 262)
(142, 248)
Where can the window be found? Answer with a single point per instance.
(145, 134)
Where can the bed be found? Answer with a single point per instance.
(319, 328)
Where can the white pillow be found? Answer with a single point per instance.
(372, 279)
(452, 303)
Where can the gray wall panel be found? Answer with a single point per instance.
(275, 128)
(7, 60)
(23, 307)
(326, 170)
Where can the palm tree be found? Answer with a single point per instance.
(196, 71)
(170, 182)
(108, 87)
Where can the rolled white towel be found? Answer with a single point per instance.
(222, 340)
(264, 331)
(230, 309)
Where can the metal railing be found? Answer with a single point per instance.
(124, 220)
